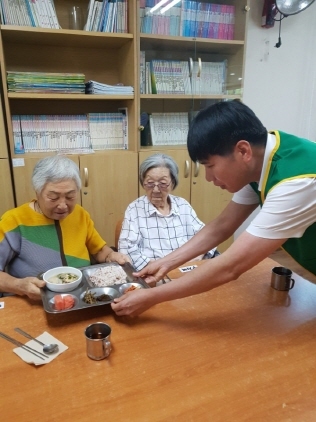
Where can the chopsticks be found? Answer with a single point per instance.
(166, 279)
(23, 346)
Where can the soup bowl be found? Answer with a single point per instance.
(55, 279)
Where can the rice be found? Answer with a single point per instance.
(107, 276)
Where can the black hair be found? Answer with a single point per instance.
(217, 129)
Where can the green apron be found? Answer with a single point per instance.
(292, 158)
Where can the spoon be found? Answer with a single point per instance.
(47, 348)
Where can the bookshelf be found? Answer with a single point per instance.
(111, 177)
(204, 197)
(108, 58)
(6, 191)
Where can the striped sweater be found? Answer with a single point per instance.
(29, 244)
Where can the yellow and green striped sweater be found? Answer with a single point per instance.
(29, 244)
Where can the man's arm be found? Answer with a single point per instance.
(212, 234)
(245, 253)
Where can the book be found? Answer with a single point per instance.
(44, 133)
(169, 77)
(46, 82)
(17, 135)
(142, 72)
(102, 15)
(194, 19)
(93, 87)
(107, 130)
(124, 112)
(52, 14)
(169, 128)
(89, 16)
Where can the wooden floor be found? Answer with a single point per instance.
(286, 261)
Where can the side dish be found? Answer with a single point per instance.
(131, 289)
(91, 298)
(62, 302)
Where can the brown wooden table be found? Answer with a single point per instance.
(174, 274)
(242, 352)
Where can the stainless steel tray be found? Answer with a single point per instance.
(115, 290)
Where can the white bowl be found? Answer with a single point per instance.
(67, 287)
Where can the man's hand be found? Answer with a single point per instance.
(153, 272)
(133, 303)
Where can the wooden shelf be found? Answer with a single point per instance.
(63, 37)
(70, 97)
(203, 45)
(163, 148)
(41, 154)
(188, 97)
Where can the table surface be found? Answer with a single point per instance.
(177, 273)
(242, 352)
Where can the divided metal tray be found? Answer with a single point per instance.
(115, 290)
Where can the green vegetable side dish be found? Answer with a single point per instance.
(63, 278)
(91, 298)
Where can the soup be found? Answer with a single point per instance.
(63, 278)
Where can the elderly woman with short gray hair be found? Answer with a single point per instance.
(157, 223)
(50, 231)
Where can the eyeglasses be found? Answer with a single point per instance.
(160, 186)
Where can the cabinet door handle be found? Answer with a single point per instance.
(85, 177)
(196, 169)
(200, 67)
(190, 67)
(186, 169)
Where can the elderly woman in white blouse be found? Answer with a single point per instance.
(157, 223)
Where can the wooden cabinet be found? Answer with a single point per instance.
(110, 176)
(6, 190)
(3, 136)
(207, 199)
(107, 58)
(197, 54)
(6, 193)
(114, 58)
(109, 184)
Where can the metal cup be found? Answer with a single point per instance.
(279, 298)
(98, 340)
(281, 278)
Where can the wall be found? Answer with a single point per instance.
(280, 83)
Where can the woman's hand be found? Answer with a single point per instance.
(30, 286)
(106, 254)
(117, 257)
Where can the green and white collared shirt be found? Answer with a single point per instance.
(288, 209)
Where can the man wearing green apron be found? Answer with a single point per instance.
(275, 171)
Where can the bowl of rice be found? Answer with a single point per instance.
(62, 279)
(107, 275)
